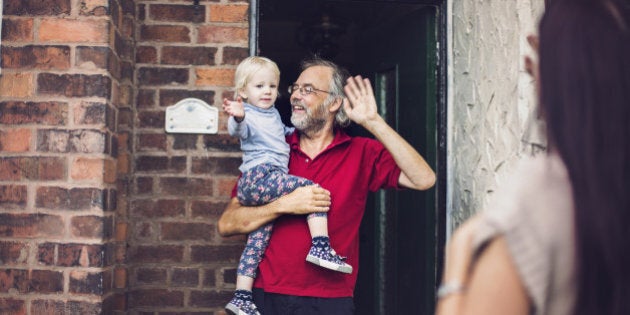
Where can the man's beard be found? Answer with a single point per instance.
(312, 121)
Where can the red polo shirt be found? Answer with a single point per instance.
(349, 168)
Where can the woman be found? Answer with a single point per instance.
(556, 239)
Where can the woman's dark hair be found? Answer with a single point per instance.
(585, 98)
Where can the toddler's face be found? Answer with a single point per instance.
(262, 89)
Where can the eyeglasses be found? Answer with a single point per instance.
(304, 90)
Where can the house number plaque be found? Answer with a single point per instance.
(191, 115)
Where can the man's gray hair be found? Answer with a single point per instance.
(339, 77)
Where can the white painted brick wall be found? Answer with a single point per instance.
(492, 99)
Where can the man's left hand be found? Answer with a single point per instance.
(360, 104)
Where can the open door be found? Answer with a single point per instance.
(395, 44)
(398, 236)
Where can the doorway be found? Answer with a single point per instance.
(397, 45)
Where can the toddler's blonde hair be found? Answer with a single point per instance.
(248, 67)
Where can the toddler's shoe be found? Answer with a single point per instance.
(238, 306)
(327, 257)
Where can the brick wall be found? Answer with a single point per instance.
(67, 78)
(181, 182)
(101, 211)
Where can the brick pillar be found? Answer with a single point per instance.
(67, 71)
(181, 182)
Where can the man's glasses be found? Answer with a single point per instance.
(304, 90)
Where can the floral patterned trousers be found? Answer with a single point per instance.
(257, 186)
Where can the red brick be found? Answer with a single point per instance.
(46, 254)
(81, 255)
(229, 13)
(87, 169)
(234, 55)
(216, 166)
(160, 163)
(17, 85)
(15, 140)
(225, 186)
(17, 30)
(81, 141)
(146, 54)
(121, 231)
(45, 281)
(10, 306)
(223, 34)
(31, 225)
(216, 253)
(185, 277)
(151, 119)
(151, 142)
(33, 168)
(221, 143)
(215, 77)
(94, 7)
(182, 231)
(120, 278)
(13, 253)
(93, 57)
(84, 308)
(209, 278)
(186, 186)
(69, 199)
(74, 85)
(229, 275)
(163, 76)
(87, 226)
(151, 275)
(144, 185)
(90, 113)
(185, 141)
(157, 298)
(207, 209)
(30, 281)
(13, 196)
(36, 57)
(157, 254)
(48, 307)
(46, 113)
(125, 117)
(210, 298)
(144, 231)
(165, 33)
(36, 7)
(123, 164)
(177, 13)
(83, 282)
(160, 208)
(74, 31)
(188, 55)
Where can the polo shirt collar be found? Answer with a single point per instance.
(340, 138)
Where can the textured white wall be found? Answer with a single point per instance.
(492, 101)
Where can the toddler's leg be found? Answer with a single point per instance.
(242, 303)
(321, 252)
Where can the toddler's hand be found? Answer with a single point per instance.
(234, 108)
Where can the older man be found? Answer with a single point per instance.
(347, 169)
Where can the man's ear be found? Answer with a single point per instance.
(336, 104)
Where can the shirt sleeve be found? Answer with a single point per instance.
(238, 129)
(385, 171)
